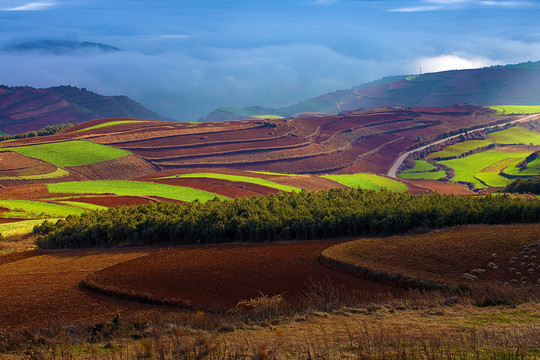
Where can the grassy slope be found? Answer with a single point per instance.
(422, 170)
(493, 161)
(136, 188)
(111, 123)
(69, 153)
(513, 135)
(533, 168)
(368, 182)
(39, 209)
(516, 109)
(20, 227)
(247, 179)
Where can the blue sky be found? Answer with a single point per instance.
(186, 58)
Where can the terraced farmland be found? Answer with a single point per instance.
(483, 169)
(69, 153)
(368, 182)
(131, 188)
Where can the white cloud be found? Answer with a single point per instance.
(506, 3)
(416, 9)
(33, 6)
(452, 62)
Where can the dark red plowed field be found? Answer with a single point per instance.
(221, 276)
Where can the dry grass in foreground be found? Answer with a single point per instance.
(422, 326)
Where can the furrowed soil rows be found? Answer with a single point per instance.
(219, 277)
(111, 201)
(43, 290)
(230, 189)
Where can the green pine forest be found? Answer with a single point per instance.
(283, 216)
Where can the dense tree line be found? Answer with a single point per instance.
(282, 216)
(523, 186)
(47, 130)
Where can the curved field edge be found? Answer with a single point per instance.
(111, 123)
(69, 153)
(434, 261)
(133, 188)
(228, 177)
(515, 109)
(367, 182)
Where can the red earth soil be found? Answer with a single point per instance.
(443, 188)
(44, 290)
(25, 192)
(111, 201)
(219, 276)
(13, 161)
(230, 189)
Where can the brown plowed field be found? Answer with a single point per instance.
(10, 161)
(230, 189)
(122, 168)
(221, 276)
(446, 255)
(43, 290)
(112, 200)
(37, 191)
(443, 188)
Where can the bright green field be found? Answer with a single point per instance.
(422, 170)
(459, 148)
(533, 168)
(515, 135)
(277, 174)
(54, 175)
(39, 209)
(84, 205)
(134, 188)
(111, 123)
(368, 182)
(20, 227)
(516, 109)
(419, 166)
(70, 153)
(492, 161)
(433, 175)
(247, 179)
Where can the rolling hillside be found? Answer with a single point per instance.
(512, 84)
(25, 109)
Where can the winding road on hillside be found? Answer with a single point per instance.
(399, 161)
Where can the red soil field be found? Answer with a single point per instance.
(42, 290)
(442, 188)
(112, 200)
(218, 277)
(445, 255)
(13, 161)
(36, 191)
(230, 189)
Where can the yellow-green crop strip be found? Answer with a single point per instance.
(276, 174)
(134, 188)
(84, 205)
(40, 209)
(367, 182)
(58, 173)
(246, 179)
(69, 153)
(111, 123)
(516, 109)
(20, 227)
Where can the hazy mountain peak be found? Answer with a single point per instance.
(61, 46)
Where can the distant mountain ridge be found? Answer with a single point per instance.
(61, 46)
(497, 85)
(24, 108)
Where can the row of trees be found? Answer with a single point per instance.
(282, 216)
(48, 130)
(524, 186)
